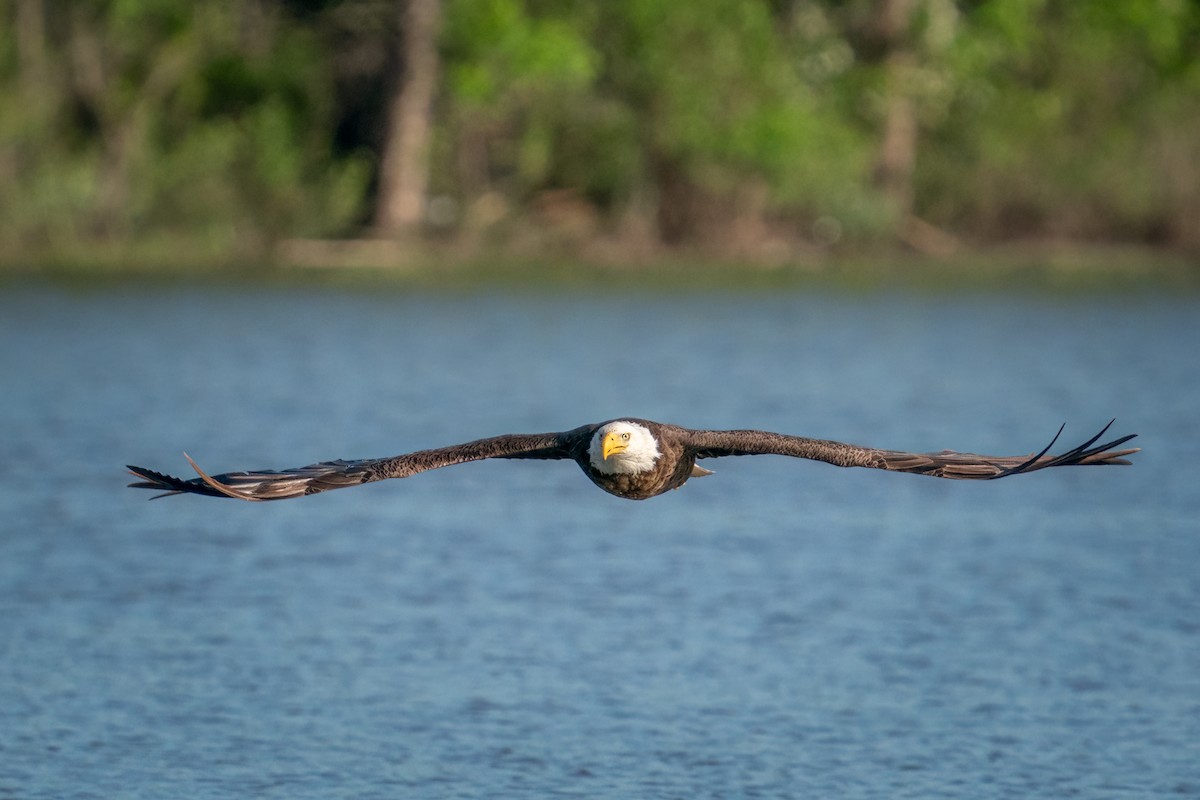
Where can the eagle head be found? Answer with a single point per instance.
(623, 447)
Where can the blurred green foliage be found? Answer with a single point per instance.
(226, 126)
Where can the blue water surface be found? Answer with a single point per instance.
(504, 629)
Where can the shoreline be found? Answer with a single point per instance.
(430, 263)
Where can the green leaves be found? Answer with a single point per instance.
(240, 123)
(168, 121)
(498, 54)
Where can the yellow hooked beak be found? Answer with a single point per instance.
(613, 443)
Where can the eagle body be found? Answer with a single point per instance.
(631, 458)
(667, 467)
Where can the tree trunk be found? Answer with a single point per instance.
(31, 48)
(898, 146)
(404, 167)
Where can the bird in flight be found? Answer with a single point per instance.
(631, 458)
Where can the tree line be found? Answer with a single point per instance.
(730, 126)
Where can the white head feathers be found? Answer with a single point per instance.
(630, 448)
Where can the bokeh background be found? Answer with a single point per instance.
(254, 130)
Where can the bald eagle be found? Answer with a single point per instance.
(631, 458)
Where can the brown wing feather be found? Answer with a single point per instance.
(946, 464)
(283, 484)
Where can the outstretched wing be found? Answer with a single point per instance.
(946, 464)
(282, 484)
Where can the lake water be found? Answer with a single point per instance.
(504, 629)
